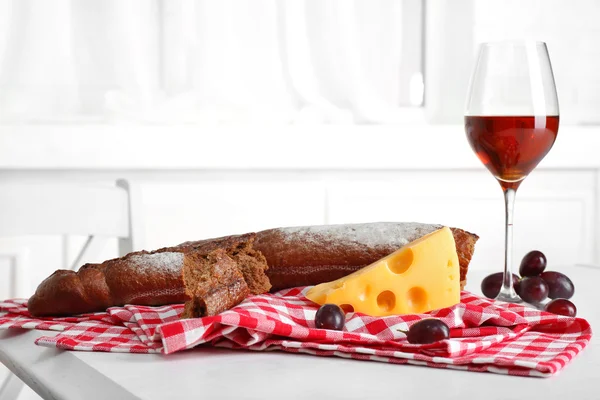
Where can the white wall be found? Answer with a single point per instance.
(570, 29)
(206, 182)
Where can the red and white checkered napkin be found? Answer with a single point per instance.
(485, 335)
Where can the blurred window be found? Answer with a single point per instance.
(162, 61)
(570, 29)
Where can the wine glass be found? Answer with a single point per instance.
(511, 122)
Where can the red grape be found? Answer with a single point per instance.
(330, 316)
(559, 285)
(427, 331)
(561, 307)
(532, 264)
(491, 284)
(533, 289)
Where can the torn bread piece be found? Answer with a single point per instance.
(213, 283)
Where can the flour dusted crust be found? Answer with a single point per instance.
(156, 278)
(144, 278)
(271, 259)
(367, 235)
(138, 278)
(309, 255)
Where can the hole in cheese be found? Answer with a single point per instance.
(417, 299)
(450, 264)
(386, 300)
(347, 308)
(401, 262)
(451, 277)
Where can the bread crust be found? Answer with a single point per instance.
(295, 257)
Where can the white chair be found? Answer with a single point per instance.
(98, 212)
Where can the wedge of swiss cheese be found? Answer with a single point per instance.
(419, 277)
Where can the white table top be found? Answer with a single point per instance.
(227, 374)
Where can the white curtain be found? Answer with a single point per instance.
(164, 61)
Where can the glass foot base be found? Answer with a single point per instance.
(517, 300)
(510, 298)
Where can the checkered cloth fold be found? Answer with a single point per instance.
(486, 335)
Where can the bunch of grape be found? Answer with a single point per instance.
(536, 285)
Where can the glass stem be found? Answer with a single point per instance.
(507, 292)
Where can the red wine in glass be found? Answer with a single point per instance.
(511, 146)
(511, 122)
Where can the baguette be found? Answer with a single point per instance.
(143, 278)
(304, 256)
(295, 257)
